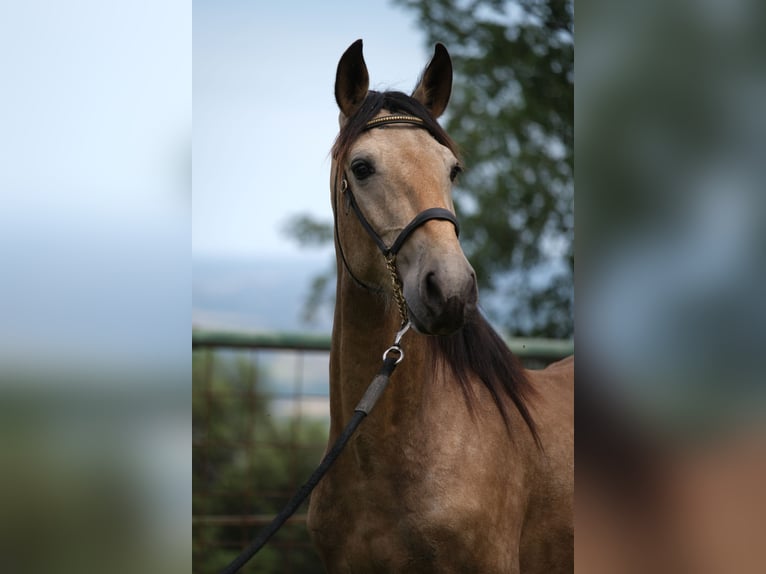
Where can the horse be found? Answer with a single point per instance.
(466, 464)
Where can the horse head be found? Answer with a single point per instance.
(393, 168)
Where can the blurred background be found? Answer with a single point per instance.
(95, 182)
(95, 206)
(671, 133)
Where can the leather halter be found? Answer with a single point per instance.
(389, 252)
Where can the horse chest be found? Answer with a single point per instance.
(385, 537)
(424, 517)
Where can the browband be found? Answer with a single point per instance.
(394, 119)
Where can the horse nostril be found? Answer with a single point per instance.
(432, 291)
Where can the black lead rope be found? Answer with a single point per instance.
(371, 396)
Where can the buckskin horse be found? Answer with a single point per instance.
(466, 464)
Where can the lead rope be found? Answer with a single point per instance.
(391, 358)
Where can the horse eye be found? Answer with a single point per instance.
(456, 170)
(362, 169)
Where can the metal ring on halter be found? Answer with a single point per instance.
(396, 348)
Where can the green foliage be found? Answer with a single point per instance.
(511, 112)
(246, 460)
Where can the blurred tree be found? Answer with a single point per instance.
(511, 112)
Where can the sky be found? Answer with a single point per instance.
(265, 115)
(95, 130)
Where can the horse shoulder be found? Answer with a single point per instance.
(548, 540)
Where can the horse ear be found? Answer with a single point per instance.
(351, 79)
(435, 86)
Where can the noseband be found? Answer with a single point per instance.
(389, 252)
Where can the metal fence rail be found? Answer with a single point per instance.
(527, 348)
(260, 418)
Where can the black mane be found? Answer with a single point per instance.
(394, 102)
(476, 349)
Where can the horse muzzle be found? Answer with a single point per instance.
(442, 296)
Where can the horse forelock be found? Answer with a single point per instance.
(477, 351)
(394, 102)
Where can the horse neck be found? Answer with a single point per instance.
(364, 327)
